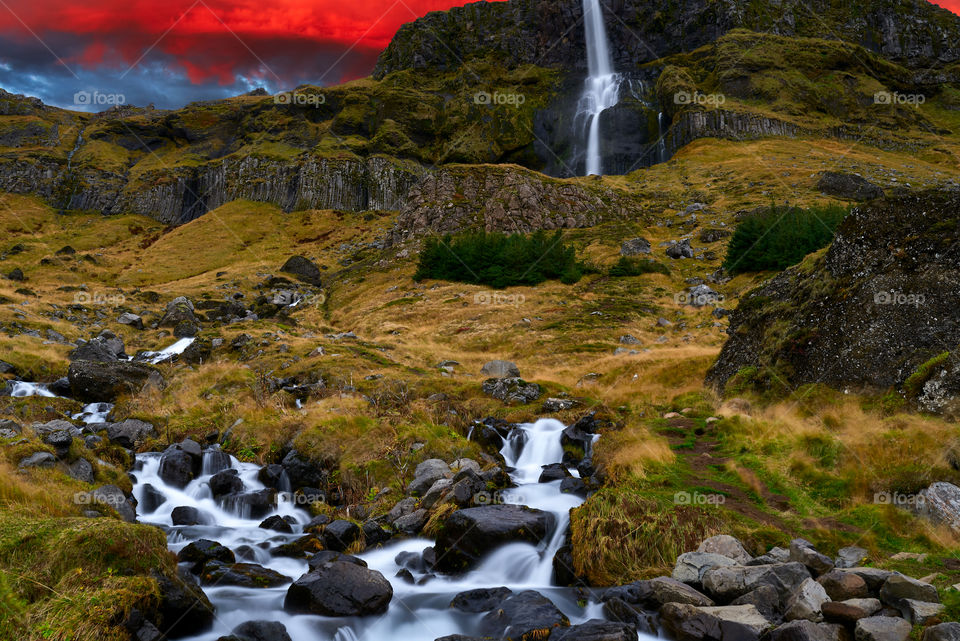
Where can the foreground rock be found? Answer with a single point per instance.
(872, 296)
(524, 614)
(722, 623)
(469, 534)
(339, 588)
(94, 381)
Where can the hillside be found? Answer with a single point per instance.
(223, 368)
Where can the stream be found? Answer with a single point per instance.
(419, 611)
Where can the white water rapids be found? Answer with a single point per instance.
(418, 612)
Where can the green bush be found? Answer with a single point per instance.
(634, 267)
(781, 236)
(499, 260)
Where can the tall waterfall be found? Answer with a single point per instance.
(602, 89)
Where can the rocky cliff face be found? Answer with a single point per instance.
(869, 313)
(542, 31)
(508, 199)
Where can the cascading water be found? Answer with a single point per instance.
(419, 611)
(602, 89)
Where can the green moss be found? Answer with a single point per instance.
(913, 386)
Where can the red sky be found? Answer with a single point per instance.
(160, 50)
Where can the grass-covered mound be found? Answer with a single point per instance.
(778, 237)
(499, 260)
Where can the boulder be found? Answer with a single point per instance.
(691, 566)
(725, 545)
(850, 557)
(480, 600)
(435, 493)
(328, 556)
(470, 533)
(729, 582)
(849, 186)
(412, 523)
(803, 630)
(882, 629)
(275, 476)
(150, 498)
(843, 613)
(277, 524)
(841, 586)
(260, 631)
(899, 588)
(803, 551)
(132, 320)
(874, 577)
(303, 269)
(919, 612)
(301, 471)
(428, 473)
(374, 534)
(680, 249)
(114, 498)
(340, 535)
(635, 247)
(942, 632)
(94, 381)
(198, 553)
(765, 598)
(500, 369)
(718, 623)
(523, 614)
(596, 630)
(189, 515)
(225, 482)
(178, 467)
(806, 601)
(252, 505)
(300, 548)
(183, 609)
(244, 575)
(511, 390)
(180, 314)
(106, 347)
(130, 433)
(338, 588)
(81, 470)
(940, 504)
(38, 459)
(60, 440)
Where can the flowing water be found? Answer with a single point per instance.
(602, 86)
(419, 611)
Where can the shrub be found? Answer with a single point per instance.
(498, 260)
(634, 267)
(781, 236)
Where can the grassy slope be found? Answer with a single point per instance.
(807, 465)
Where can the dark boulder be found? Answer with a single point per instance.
(339, 588)
(596, 630)
(303, 472)
(299, 548)
(244, 575)
(130, 433)
(225, 482)
(188, 515)
(183, 610)
(304, 270)
(274, 475)
(523, 614)
(103, 382)
(860, 315)
(480, 600)
(329, 556)
(151, 498)
(849, 186)
(260, 631)
(469, 534)
(106, 347)
(277, 524)
(340, 535)
(113, 497)
(178, 467)
(199, 552)
(251, 505)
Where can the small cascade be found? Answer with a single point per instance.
(419, 611)
(602, 87)
(167, 353)
(22, 389)
(662, 155)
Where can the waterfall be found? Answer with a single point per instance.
(602, 88)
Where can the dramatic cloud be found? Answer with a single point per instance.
(174, 51)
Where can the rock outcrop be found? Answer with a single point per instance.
(870, 313)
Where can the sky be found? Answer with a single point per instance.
(92, 55)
